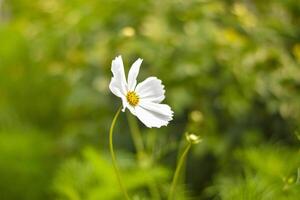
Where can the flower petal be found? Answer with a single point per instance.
(124, 103)
(133, 73)
(118, 93)
(131, 109)
(118, 84)
(151, 90)
(154, 114)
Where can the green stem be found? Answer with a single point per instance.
(114, 161)
(180, 151)
(177, 171)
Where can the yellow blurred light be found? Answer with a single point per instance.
(196, 116)
(244, 15)
(239, 9)
(230, 36)
(128, 31)
(291, 180)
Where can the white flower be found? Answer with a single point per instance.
(143, 99)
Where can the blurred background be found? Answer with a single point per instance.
(232, 75)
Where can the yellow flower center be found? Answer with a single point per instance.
(132, 98)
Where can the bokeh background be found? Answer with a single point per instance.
(232, 75)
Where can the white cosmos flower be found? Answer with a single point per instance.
(143, 99)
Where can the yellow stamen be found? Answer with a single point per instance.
(132, 98)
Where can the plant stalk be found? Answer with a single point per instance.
(177, 171)
(114, 161)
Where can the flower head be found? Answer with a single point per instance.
(143, 99)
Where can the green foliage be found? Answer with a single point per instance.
(26, 164)
(93, 177)
(231, 71)
(268, 172)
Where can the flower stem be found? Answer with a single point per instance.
(177, 171)
(114, 161)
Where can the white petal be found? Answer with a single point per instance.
(154, 114)
(162, 109)
(131, 109)
(151, 89)
(118, 84)
(133, 73)
(124, 103)
(115, 88)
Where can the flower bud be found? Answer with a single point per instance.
(192, 138)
